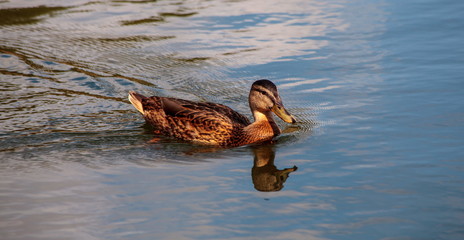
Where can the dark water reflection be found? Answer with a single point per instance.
(377, 87)
(266, 177)
(29, 15)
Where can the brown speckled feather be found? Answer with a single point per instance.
(205, 123)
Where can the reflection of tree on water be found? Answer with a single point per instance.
(266, 177)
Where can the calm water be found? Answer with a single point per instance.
(377, 86)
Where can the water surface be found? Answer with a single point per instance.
(376, 85)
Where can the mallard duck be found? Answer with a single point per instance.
(215, 124)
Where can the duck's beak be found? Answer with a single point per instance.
(280, 111)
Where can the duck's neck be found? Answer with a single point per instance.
(263, 128)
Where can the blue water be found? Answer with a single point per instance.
(377, 87)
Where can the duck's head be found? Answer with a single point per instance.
(264, 98)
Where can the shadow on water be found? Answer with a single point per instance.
(266, 177)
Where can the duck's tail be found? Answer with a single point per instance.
(136, 100)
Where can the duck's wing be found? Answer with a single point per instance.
(217, 108)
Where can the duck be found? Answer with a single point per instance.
(215, 124)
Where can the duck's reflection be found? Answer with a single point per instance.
(266, 177)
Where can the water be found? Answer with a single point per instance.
(376, 85)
